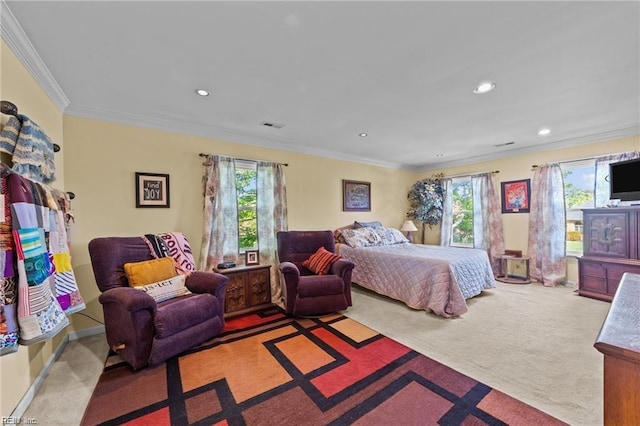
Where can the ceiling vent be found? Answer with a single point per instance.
(504, 144)
(270, 124)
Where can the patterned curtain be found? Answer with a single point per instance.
(272, 217)
(487, 219)
(547, 226)
(447, 213)
(602, 174)
(220, 231)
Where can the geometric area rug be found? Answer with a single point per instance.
(267, 368)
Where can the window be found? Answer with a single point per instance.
(462, 209)
(246, 173)
(579, 193)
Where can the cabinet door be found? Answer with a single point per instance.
(259, 287)
(607, 234)
(236, 295)
(593, 276)
(614, 275)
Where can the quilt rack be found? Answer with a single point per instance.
(9, 108)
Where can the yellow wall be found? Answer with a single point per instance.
(98, 161)
(515, 225)
(102, 159)
(19, 369)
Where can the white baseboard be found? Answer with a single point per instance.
(92, 331)
(28, 396)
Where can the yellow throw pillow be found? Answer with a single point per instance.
(150, 271)
(166, 289)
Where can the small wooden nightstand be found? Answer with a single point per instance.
(248, 289)
(506, 277)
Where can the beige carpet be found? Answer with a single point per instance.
(532, 342)
(66, 390)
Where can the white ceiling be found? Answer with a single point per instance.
(403, 72)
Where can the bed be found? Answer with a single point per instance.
(426, 277)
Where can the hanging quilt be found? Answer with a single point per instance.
(39, 288)
(66, 288)
(8, 288)
(39, 313)
(37, 285)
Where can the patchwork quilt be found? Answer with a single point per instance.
(39, 288)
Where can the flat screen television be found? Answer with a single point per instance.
(624, 180)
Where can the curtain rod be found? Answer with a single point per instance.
(245, 159)
(535, 166)
(493, 172)
(593, 157)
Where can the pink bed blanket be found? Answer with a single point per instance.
(425, 277)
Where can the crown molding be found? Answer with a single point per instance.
(26, 53)
(633, 130)
(17, 40)
(178, 124)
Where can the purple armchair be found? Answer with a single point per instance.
(306, 294)
(140, 330)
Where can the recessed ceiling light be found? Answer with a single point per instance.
(363, 135)
(544, 131)
(202, 92)
(484, 87)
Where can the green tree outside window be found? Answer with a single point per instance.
(247, 214)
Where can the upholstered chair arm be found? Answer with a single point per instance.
(129, 299)
(207, 282)
(290, 271)
(341, 267)
(344, 269)
(291, 276)
(128, 319)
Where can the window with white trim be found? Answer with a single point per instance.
(579, 193)
(246, 188)
(462, 212)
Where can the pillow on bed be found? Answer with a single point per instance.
(390, 236)
(357, 224)
(361, 237)
(320, 262)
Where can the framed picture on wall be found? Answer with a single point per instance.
(356, 196)
(516, 196)
(152, 190)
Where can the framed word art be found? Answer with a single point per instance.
(152, 190)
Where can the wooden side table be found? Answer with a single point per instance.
(506, 277)
(248, 289)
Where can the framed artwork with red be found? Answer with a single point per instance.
(516, 196)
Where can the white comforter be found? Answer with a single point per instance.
(422, 276)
